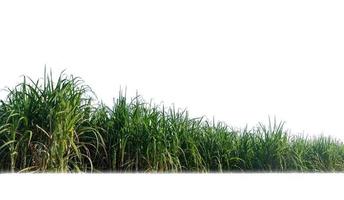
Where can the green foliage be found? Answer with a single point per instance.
(48, 126)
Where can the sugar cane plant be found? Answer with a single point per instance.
(58, 126)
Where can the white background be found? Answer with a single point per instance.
(239, 61)
(173, 186)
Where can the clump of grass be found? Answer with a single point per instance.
(57, 127)
(45, 126)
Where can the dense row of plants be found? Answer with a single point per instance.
(48, 126)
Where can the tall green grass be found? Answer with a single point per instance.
(58, 126)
